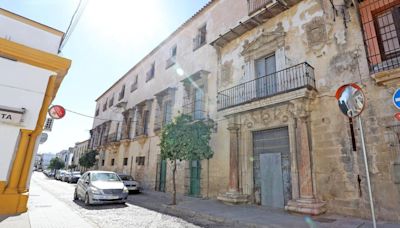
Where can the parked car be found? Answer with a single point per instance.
(59, 174)
(74, 177)
(129, 182)
(100, 187)
(66, 176)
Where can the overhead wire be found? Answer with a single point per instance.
(73, 22)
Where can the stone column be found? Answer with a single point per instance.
(233, 158)
(233, 196)
(304, 159)
(307, 203)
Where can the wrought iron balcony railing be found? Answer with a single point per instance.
(113, 137)
(283, 81)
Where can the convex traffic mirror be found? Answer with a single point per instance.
(350, 99)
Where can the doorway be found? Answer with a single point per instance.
(195, 170)
(162, 176)
(271, 168)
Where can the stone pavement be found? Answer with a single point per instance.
(51, 204)
(45, 211)
(212, 213)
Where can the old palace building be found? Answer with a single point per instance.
(266, 73)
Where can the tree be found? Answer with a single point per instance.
(72, 167)
(56, 164)
(185, 139)
(88, 159)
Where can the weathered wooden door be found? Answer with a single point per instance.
(163, 175)
(271, 168)
(194, 178)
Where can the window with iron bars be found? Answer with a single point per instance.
(142, 122)
(194, 104)
(140, 160)
(151, 72)
(122, 93)
(134, 84)
(111, 103)
(381, 25)
(200, 38)
(105, 106)
(163, 115)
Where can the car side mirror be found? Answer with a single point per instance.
(86, 182)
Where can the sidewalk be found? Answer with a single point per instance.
(212, 213)
(45, 211)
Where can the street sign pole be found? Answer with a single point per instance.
(367, 172)
(351, 101)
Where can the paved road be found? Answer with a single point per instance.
(46, 193)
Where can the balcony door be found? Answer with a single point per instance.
(198, 103)
(266, 77)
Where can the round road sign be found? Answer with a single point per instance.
(43, 137)
(56, 112)
(396, 98)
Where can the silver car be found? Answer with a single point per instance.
(100, 187)
(129, 182)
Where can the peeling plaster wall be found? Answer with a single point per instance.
(313, 33)
(307, 32)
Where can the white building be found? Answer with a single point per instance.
(31, 73)
(45, 159)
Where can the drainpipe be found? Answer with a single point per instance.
(48, 98)
(18, 162)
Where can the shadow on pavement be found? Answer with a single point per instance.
(4, 217)
(99, 207)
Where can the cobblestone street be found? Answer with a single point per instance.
(47, 193)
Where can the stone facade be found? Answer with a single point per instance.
(79, 149)
(313, 47)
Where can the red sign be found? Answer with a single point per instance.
(397, 116)
(57, 112)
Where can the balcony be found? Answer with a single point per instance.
(113, 137)
(141, 131)
(283, 81)
(259, 12)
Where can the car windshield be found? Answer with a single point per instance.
(76, 173)
(104, 177)
(126, 178)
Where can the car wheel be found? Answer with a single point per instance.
(87, 200)
(75, 195)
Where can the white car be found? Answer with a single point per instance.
(100, 187)
(129, 182)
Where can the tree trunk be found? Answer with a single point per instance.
(208, 176)
(174, 184)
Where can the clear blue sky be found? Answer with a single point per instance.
(111, 36)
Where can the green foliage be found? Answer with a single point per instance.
(184, 139)
(56, 163)
(88, 159)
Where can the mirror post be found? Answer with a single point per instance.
(367, 172)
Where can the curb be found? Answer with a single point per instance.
(198, 218)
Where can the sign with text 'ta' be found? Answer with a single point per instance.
(11, 115)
